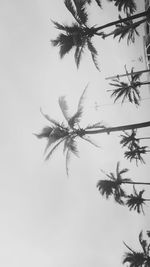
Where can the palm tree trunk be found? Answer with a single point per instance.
(113, 23)
(123, 75)
(119, 128)
(136, 24)
(135, 183)
(144, 83)
(143, 138)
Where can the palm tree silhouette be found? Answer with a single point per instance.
(135, 153)
(136, 201)
(58, 133)
(138, 258)
(130, 140)
(130, 90)
(128, 6)
(79, 34)
(112, 186)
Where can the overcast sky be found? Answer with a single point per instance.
(46, 218)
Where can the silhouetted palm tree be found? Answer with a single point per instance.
(136, 201)
(128, 6)
(138, 258)
(130, 140)
(112, 186)
(130, 90)
(79, 34)
(136, 152)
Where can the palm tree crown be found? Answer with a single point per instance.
(58, 133)
(78, 35)
(138, 258)
(130, 90)
(112, 186)
(136, 201)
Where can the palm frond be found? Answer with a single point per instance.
(54, 122)
(45, 133)
(70, 147)
(79, 51)
(93, 53)
(77, 116)
(64, 107)
(88, 139)
(64, 42)
(54, 148)
(81, 11)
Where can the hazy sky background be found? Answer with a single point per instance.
(47, 219)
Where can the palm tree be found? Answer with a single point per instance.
(112, 186)
(127, 74)
(134, 153)
(130, 90)
(130, 140)
(136, 201)
(59, 133)
(128, 6)
(79, 34)
(138, 258)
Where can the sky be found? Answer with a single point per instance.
(46, 218)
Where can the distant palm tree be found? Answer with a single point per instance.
(128, 6)
(136, 201)
(136, 152)
(79, 34)
(130, 140)
(130, 90)
(112, 186)
(138, 258)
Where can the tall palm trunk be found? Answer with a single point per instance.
(119, 128)
(134, 25)
(113, 23)
(125, 74)
(135, 183)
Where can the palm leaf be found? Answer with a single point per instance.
(51, 120)
(93, 53)
(45, 133)
(54, 148)
(64, 107)
(81, 11)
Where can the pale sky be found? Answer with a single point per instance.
(46, 218)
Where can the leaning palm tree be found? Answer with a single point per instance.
(128, 6)
(138, 258)
(112, 186)
(79, 34)
(57, 133)
(136, 201)
(128, 90)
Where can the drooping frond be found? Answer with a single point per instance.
(77, 116)
(64, 107)
(45, 133)
(92, 142)
(78, 10)
(93, 53)
(64, 42)
(54, 148)
(70, 147)
(79, 51)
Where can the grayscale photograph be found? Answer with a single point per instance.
(75, 133)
